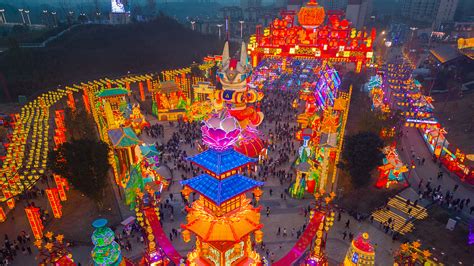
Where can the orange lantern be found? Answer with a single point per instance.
(258, 236)
(258, 193)
(205, 249)
(186, 191)
(3, 217)
(311, 15)
(237, 248)
(186, 236)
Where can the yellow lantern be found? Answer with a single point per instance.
(151, 238)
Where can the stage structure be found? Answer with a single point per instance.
(309, 38)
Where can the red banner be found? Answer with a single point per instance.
(54, 201)
(62, 186)
(34, 217)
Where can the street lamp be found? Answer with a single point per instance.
(45, 13)
(220, 26)
(54, 17)
(383, 32)
(241, 28)
(22, 16)
(3, 16)
(192, 24)
(27, 12)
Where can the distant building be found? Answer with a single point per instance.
(333, 4)
(244, 4)
(281, 3)
(294, 5)
(432, 11)
(358, 11)
(119, 18)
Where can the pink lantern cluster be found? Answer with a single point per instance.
(220, 133)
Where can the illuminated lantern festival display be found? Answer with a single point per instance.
(106, 251)
(360, 252)
(54, 201)
(335, 42)
(410, 253)
(52, 250)
(34, 218)
(392, 170)
(222, 218)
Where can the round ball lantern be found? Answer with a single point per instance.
(311, 15)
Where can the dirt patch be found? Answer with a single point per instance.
(366, 199)
(433, 235)
(78, 214)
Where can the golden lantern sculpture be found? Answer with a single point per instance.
(258, 236)
(257, 193)
(186, 236)
(186, 191)
(205, 249)
(311, 15)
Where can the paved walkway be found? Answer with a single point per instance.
(412, 140)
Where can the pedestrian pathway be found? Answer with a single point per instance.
(303, 242)
(427, 172)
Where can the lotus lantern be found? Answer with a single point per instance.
(220, 133)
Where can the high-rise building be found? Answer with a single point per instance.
(432, 11)
(357, 12)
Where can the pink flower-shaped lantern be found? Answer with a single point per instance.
(220, 133)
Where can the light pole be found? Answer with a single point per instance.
(220, 26)
(54, 18)
(4, 20)
(45, 16)
(98, 15)
(27, 12)
(70, 17)
(192, 24)
(241, 29)
(22, 16)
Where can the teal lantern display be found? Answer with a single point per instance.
(106, 251)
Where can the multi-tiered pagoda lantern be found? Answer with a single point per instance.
(222, 219)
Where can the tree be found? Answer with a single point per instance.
(79, 125)
(362, 153)
(84, 163)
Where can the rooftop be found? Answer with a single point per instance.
(220, 162)
(221, 190)
(445, 53)
(112, 92)
(123, 137)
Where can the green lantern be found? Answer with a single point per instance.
(106, 251)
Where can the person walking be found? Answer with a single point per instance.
(348, 223)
